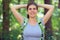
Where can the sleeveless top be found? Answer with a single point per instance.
(31, 32)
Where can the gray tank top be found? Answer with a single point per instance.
(32, 32)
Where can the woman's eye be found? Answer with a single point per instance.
(34, 8)
(29, 8)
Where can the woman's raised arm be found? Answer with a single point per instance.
(49, 12)
(18, 16)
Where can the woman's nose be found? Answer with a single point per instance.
(32, 9)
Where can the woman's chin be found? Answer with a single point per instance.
(32, 16)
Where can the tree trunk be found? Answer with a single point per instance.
(48, 25)
(19, 3)
(30, 1)
(59, 4)
(5, 34)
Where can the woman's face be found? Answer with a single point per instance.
(32, 11)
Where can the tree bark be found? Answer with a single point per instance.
(59, 4)
(5, 33)
(48, 29)
(19, 3)
(30, 1)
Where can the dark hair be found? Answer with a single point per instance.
(31, 3)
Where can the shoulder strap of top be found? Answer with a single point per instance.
(25, 22)
(42, 28)
(40, 24)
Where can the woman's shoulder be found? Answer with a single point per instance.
(25, 20)
(40, 20)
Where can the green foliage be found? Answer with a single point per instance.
(15, 27)
(1, 18)
(56, 23)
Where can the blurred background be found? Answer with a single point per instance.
(10, 28)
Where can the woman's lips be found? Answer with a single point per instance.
(32, 13)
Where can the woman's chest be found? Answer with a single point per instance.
(32, 30)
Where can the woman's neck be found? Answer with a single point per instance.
(32, 21)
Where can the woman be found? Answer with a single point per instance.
(32, 30)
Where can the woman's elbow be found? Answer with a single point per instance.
(52, 7)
